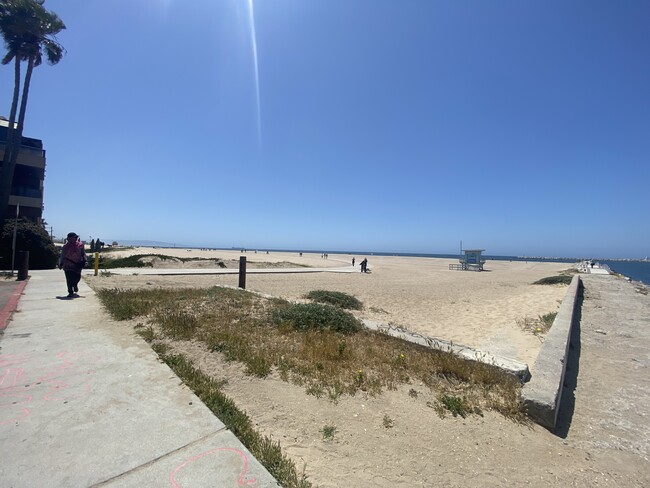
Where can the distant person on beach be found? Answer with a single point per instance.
(352, 261)
(364, 265)
(72, 261)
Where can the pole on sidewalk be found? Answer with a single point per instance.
(96, 263)
(13, 242)
(242, 272)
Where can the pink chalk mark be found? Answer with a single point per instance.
(242, 481)
(72, 393)
(14, 382)
(9, 403)
(17, 374)
(12, 360)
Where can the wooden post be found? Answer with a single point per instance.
(242, 272)
(96, 263)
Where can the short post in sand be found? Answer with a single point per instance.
(242, 272)
(96, 263)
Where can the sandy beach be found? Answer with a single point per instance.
(596, 446)
(476, 309)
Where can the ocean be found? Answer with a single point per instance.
(635, 270)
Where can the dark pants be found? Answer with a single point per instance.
(72, 280)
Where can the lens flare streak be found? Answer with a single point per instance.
(251, 18)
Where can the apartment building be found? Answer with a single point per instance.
(27, 185)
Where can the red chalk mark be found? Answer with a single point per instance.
(10, 306)
(241, 481)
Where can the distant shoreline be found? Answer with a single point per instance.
(541, 259)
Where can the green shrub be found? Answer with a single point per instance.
(127, 262)
(30, 237)
(306, 316)
(456, 405)
(336, 298)
(547, 319)
(554, 280)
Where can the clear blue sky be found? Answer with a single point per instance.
(520, 127)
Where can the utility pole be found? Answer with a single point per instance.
(13, 244)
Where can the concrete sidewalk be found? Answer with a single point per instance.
(82, 403)
(219, 271)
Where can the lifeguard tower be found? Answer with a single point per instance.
(470, 261)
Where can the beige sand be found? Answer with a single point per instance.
(396, 439)
(421, 294)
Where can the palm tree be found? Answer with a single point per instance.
(28, 30)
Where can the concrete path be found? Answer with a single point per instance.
(84, 404)
(606, 402)
(221, 271)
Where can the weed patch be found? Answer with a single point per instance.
(147, 333)
(456, 405)
(539, 326)
(555, 280)
(336, 298)
(316, 346)
(328, 432)
(267, 452)
(306, 316)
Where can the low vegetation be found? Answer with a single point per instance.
(144, 261)
(328, 432)
(267, 451)
(317, 346)
(336, 298)
(456, 405)
(538, 326)
(316, 316)
(114, 247)
(563, 279)
(308, 346)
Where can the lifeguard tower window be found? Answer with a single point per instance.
(470, 261)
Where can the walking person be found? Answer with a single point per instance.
(72, 261)
(352, 261)
(364, 265)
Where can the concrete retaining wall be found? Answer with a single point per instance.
(510, 366)
(541, 396)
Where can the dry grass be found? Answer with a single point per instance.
(328, 363)
(538, 326)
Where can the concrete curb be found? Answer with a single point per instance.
(510, 366)
(541, 396)
(10, 306)
(211, 271)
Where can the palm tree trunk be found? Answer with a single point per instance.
(23, 109)
(7, 168)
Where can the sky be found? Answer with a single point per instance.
(521, 128)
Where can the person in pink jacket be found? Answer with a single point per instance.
(72, 261)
